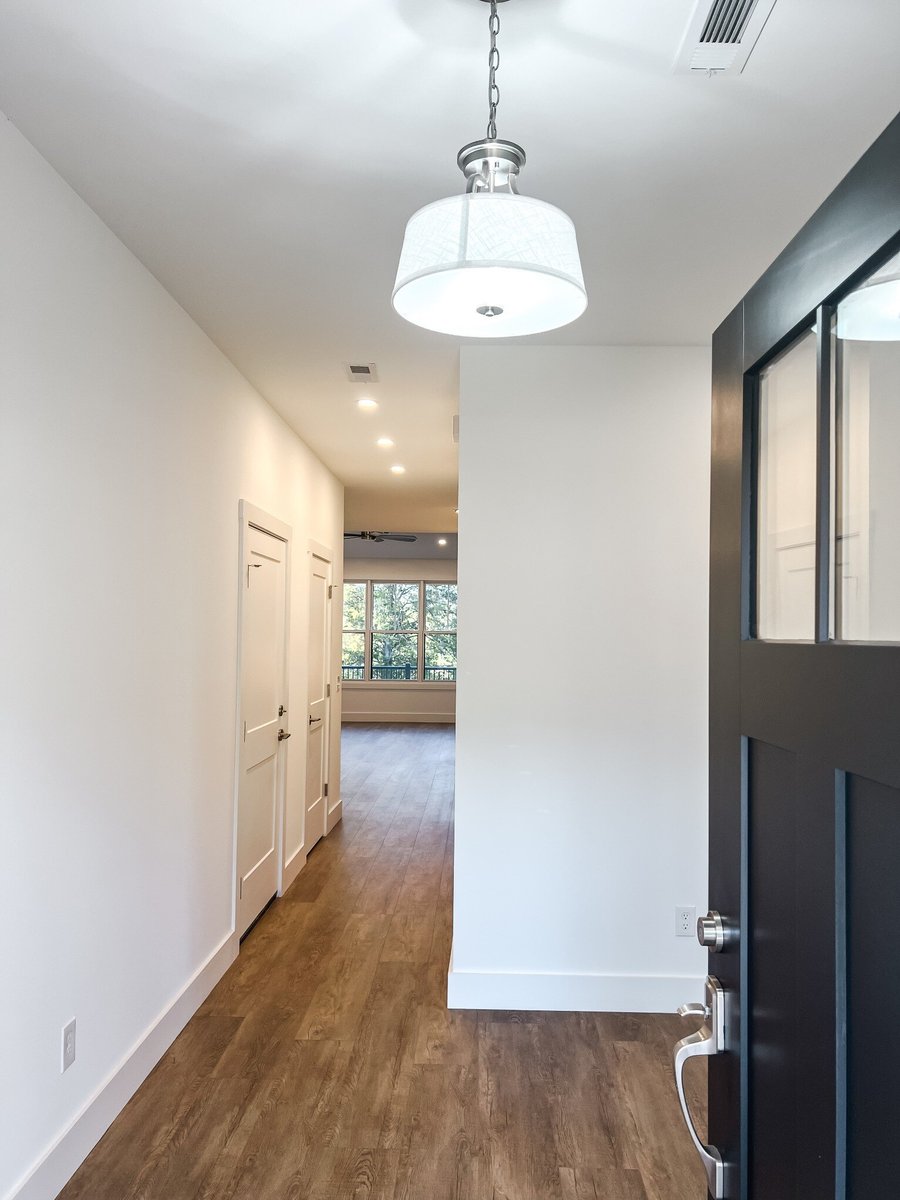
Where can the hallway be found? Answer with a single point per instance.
(325, 1066)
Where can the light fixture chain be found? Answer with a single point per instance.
(493, 64)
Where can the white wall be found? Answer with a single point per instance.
(127, 441)
(582, 765)
(423, 703)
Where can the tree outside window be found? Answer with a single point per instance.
(353, 640)
(399, 631)
(440, 632)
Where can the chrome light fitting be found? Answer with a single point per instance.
(489, 262)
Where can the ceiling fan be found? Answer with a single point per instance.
(373, 535)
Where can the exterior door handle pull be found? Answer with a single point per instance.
(282, 736)
(707, 1041)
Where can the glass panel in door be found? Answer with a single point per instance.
(786, 495)
(867, 552)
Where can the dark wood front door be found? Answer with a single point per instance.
(805, 708)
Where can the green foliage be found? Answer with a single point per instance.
(353, 653)
(440, 605)
(354, 606)
(395, 606)
(398, 651)
(440, 649)
(395, 630)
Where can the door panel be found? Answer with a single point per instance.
(804, 750)
(873, 987)
(258, 828)
(773, 999)
(791, 918)
(318, 707)
(263, 692)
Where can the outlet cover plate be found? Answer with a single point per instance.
(685, 922)
(68, 1045)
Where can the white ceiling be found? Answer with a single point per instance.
(262, 160)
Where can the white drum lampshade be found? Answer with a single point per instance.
(490, 264)
(871, 313)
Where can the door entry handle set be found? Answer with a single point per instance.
(709, 1039)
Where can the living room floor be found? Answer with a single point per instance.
(325, 1065)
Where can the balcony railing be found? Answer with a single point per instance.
(404, 672)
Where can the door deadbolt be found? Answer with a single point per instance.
(713, 933)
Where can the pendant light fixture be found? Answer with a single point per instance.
(872, 312)
(489, 262)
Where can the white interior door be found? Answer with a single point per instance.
(264, 728)
(319, 695)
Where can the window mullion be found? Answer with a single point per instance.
(824, 467)
(369, 621)
(420, 672)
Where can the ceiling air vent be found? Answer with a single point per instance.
(721, 35)
(362, 372)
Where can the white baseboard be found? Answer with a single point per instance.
(395, 718)
(63, 1157)
(511, 990)
(293, 867)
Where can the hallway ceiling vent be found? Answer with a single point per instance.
(362, 372)
(720, 36)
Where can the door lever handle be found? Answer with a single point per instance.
(282, 736)
(694, 1010)
(315, 720)
(707, 1041)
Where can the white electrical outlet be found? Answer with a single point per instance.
(68, 1045)
(685, 922)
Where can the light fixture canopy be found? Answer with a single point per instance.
(490, 262)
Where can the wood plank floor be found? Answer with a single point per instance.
(325, 1065)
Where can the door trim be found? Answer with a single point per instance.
(333, 805)
(251, 517)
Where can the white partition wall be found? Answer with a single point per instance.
(581, 701)
(127, 442)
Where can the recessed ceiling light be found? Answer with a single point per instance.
(442, 541)
(366, 404)
(385, 443)
(396, 469)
